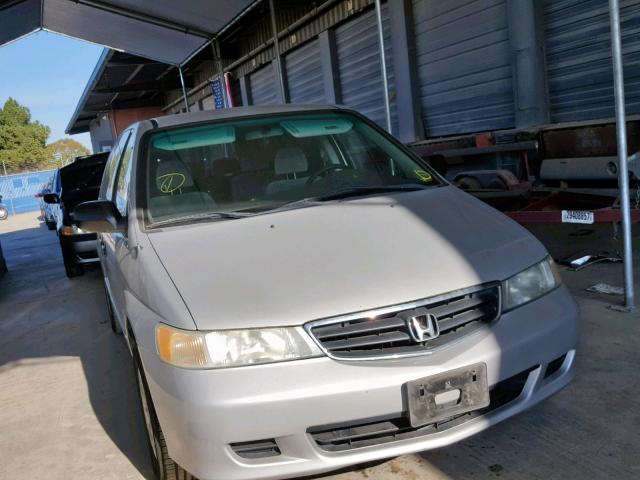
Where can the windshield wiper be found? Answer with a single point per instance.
(346, 193)
(360, 191)
(200, 217)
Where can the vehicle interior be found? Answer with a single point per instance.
(258, 164)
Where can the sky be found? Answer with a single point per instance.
(47, 73)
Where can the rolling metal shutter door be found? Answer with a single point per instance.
(236, 94)
(359, 66)
(304, 74)
(464, 65)
(578, 55)
(263, 86)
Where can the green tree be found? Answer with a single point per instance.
(64, 151)
(22, 142)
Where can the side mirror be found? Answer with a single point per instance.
(438, 163)
(51, 198)
(100, 216)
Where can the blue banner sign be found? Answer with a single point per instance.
(218, 96)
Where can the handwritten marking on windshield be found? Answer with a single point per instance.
(170, 182)
(424, 176)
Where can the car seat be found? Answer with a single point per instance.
(290, 162)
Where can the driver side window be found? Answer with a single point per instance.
(123, 178)
(111, 170)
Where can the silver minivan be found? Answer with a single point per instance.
(301, 293)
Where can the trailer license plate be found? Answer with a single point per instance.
(577, 216)
(439, 397)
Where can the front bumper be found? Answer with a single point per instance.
(202, 412)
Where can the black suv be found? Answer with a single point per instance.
(76, 183)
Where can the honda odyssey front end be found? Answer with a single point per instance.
(300, 293)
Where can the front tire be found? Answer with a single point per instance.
(163, 465)
(71, 267)
(4, 213)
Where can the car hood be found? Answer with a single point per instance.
(293, 266)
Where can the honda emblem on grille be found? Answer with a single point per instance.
(422, 325)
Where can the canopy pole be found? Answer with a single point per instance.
(623, 169)
(276, 47)
(184, 89)
(383, 66)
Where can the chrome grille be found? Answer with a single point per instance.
(386, 332)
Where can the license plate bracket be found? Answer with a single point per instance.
(433, 399)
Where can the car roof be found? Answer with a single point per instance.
(237, 112)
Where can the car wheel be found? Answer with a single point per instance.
(4, 213)
(72, 269)
(163, 465)
(115, 326)
(51, 225)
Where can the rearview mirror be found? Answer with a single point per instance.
(100, 216)
(51, 198)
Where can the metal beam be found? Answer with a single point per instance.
(329, 60)
(184, 89)
(278, 58)
(132, 62)
(408, 103)
(135, 88)
(623, 171)
(383, 67)
(526, 40)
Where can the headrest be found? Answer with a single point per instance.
(290, 160)
(172, 176)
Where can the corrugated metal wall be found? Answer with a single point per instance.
(464, 65)
(304, 74)
(359, 66)
(463, 59)
(578, 55)
(263, 86)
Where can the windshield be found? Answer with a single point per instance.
(261, 164)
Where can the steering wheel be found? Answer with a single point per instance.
(323, 171)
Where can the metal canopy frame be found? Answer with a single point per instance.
(154, 29)
(623, 163)
(383, 67)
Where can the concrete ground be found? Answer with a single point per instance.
(68, 407)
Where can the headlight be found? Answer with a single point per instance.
(233, 348)
(530, 284)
